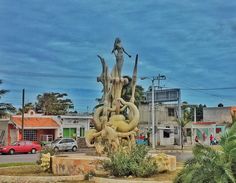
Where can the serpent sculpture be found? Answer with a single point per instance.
(112, 127)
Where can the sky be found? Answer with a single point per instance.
(52, 46)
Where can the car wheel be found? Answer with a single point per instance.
(33, 151)
(11, 152)
(74, 148)
(56, 149)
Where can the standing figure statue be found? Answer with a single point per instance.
(118, 52)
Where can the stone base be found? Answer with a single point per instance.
(165, 162)
(76, 164)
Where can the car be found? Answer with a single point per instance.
(20, 147)
(63, 144)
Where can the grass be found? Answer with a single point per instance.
(19, 169)
(15, 164)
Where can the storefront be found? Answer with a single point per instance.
(202, 132)
(35, 129)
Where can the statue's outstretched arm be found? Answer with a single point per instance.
(126, 53)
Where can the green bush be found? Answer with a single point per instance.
(131, 162)
(210, 165)
(45, 150)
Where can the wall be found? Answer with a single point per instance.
(4, 127)
(45, 132)
(73, 122)
(217, 114)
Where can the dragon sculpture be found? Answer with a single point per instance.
(112, 127)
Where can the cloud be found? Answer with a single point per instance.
(191, 42)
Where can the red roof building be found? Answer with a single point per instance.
(37, 128)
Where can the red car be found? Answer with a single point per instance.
(20, 147)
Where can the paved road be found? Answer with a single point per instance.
(19, 158)
(180, 156)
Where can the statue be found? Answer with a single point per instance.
(112, 128)
(118, 52)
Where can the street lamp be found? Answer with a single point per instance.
(159, 77)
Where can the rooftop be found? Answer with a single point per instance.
(35, 122)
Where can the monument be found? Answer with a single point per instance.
(115, 122)
(115, 119)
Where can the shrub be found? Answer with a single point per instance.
(131, 162)
(210, 165)
(44, 158)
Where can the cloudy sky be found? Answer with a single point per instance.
(51, 46)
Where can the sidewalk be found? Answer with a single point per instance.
(173, 149)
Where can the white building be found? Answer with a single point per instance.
(73, 126)
(167, 132)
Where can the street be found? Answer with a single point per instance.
(19, 158)
(180, 156)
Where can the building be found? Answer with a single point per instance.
(73, 125)
(35, 128)
(40, 128)
(222, 116)
(166, 126)
(4, 131)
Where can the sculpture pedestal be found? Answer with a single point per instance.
(76, 164)
(165, 162)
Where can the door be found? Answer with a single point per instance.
(69, 132)
(69, 144)
(66, 132)
(13, 135)
(62, 145)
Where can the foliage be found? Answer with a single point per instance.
(45, 150)
(199, 110)
(5, 108)
(53, 103)
(27, 107)
(183, 122)
(209, 165)
(131, 162)
(127, 92)
(16, 164)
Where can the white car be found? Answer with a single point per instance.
(63, 144)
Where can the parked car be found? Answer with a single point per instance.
(63, 144)
(20, 147)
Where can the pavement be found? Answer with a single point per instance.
(19, 158)
(181, 155)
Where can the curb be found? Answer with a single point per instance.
(110, 180)
(39, 179)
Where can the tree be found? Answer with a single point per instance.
(210, 165)
(186, 118)
(199, 112)
(28, 106)
(53, 104)
(127, 92)
(5, 108)
(220, 105)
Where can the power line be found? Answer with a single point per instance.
(224, 88)
(50, 75)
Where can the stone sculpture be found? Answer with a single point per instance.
(112, 128)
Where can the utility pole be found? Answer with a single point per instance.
(159, 77)
(23, 112)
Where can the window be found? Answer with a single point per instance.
(166, 133)
(176, 131)
(70, 140)
(63, 141)
(82, 131)
(171, 112)
(218, 130)
(30, 135)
